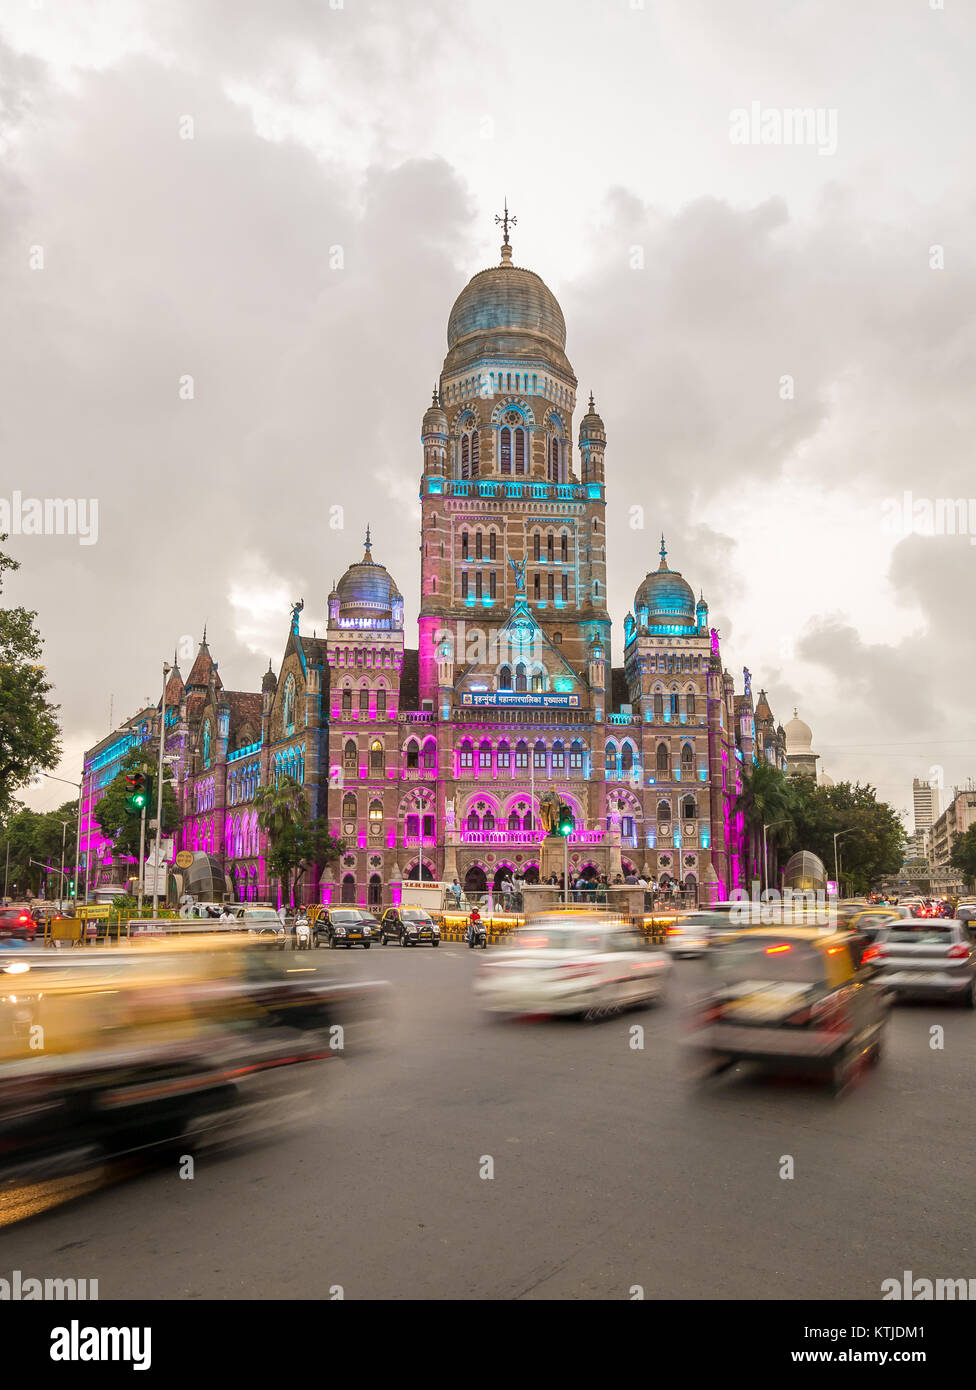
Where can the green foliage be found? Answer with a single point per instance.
(38, 835)
(963, 854)
(876, 845)
(30, 736)
(112, 814)
(295, 841)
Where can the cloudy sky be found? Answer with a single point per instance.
(281, 202)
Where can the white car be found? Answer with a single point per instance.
(688, 936)
(577, 965)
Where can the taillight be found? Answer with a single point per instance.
(958, 952)
(571, 971)
(870, 953)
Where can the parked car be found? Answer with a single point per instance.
(790, 998)
(410, 926)
(928, 958)
(344, 926)
(265, 924)
(586, 965)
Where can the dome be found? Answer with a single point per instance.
(367, 589)
(435, 418)
(499, 309)
(799, 736)
(667, 597)
(591, 422)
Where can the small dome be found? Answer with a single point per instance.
(667, 597)
(592, 422)
(799, 736)
(269, 681)
(367, 589)
(435, 418)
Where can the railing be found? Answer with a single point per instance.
(623, 719)
(416, 716)
(419, 774)
(526, 837)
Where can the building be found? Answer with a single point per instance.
(925, 802)
(955, 820)
(102, 871)
(434, 762)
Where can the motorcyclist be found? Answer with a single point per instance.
(473, 921)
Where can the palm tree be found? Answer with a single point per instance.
(766, 797)
(281, 807)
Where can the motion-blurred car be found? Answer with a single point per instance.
(928, 958)
(689, 936)
(584, 965)
(345, 926)
(870, 921)
(791, 998)
(410, 926)
(150, 1044)
(18, 923)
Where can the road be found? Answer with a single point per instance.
(609, 1171)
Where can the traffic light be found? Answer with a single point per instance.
(566, 823)
(71, 888)
(138, 786)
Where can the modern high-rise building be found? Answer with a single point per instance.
(925, 802)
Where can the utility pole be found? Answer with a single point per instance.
(142, 856)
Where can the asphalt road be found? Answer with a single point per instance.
(609, 1171)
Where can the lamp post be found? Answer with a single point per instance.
(852, 830)
(769, 825)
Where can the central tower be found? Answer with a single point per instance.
(513, 545)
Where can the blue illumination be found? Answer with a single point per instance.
(703, 773)
(563, 683)
(435, 484)
(705, 839)
(677, 840)
(594, 490)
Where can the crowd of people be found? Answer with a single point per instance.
(582, 889)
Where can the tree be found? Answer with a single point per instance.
(110, 813)
(874, 849)
(963, 854)
(295, 842)
(30, 736)
(767, 796)
(39, 836)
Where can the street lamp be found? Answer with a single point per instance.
(769, 825)
(852, 830)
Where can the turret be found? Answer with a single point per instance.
(592, 446)
(434, 437)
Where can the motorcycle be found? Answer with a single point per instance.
(477, 935)
(303, 936)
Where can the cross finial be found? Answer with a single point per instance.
(505, 222)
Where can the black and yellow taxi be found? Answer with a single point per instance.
(344, 926)
(790, 998)
(409, 926)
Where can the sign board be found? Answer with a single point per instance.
(508, 697)
(184, 859)
(90, 910)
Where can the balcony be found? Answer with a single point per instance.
(419, 842)
(419, 774)
(416, 716)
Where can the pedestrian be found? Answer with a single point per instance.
(455, 888)
(508, 890)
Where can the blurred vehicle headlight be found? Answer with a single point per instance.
(366, 931)
(340, 931)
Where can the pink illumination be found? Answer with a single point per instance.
(362, 839)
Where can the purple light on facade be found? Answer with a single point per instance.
(362, 839)
(391, 839)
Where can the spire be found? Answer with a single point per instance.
(367, 557)
(506, 222)
(433, 399)
(203, 642)
(664, 555)
(592, 406)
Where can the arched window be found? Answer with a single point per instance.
(664, 810)
(473, 823)
(413, 753)
(505, 678)
(689, 808)
(512, 448)
(514, 823)
(627, 758)
(537, 547)
(348, 889)
(564, 548)
(521, 682)
(687, 760)
(503, 758)
(376, 756)
(550, 542)
(521, 754)
(430, 754)
(690, 705)
(288, 705)
(412, 826)
(576, 756)
(539, 756)
(375, 815)
(554, 471)
(381, 703)
(658, 705)
(489, 821)
(349, 755)
(558, 756)
(349, 807)
(466, 755)
(346, 703)
(374, 895)
(611, 759)
(662, 760)
(484, 755)
(364, 700)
